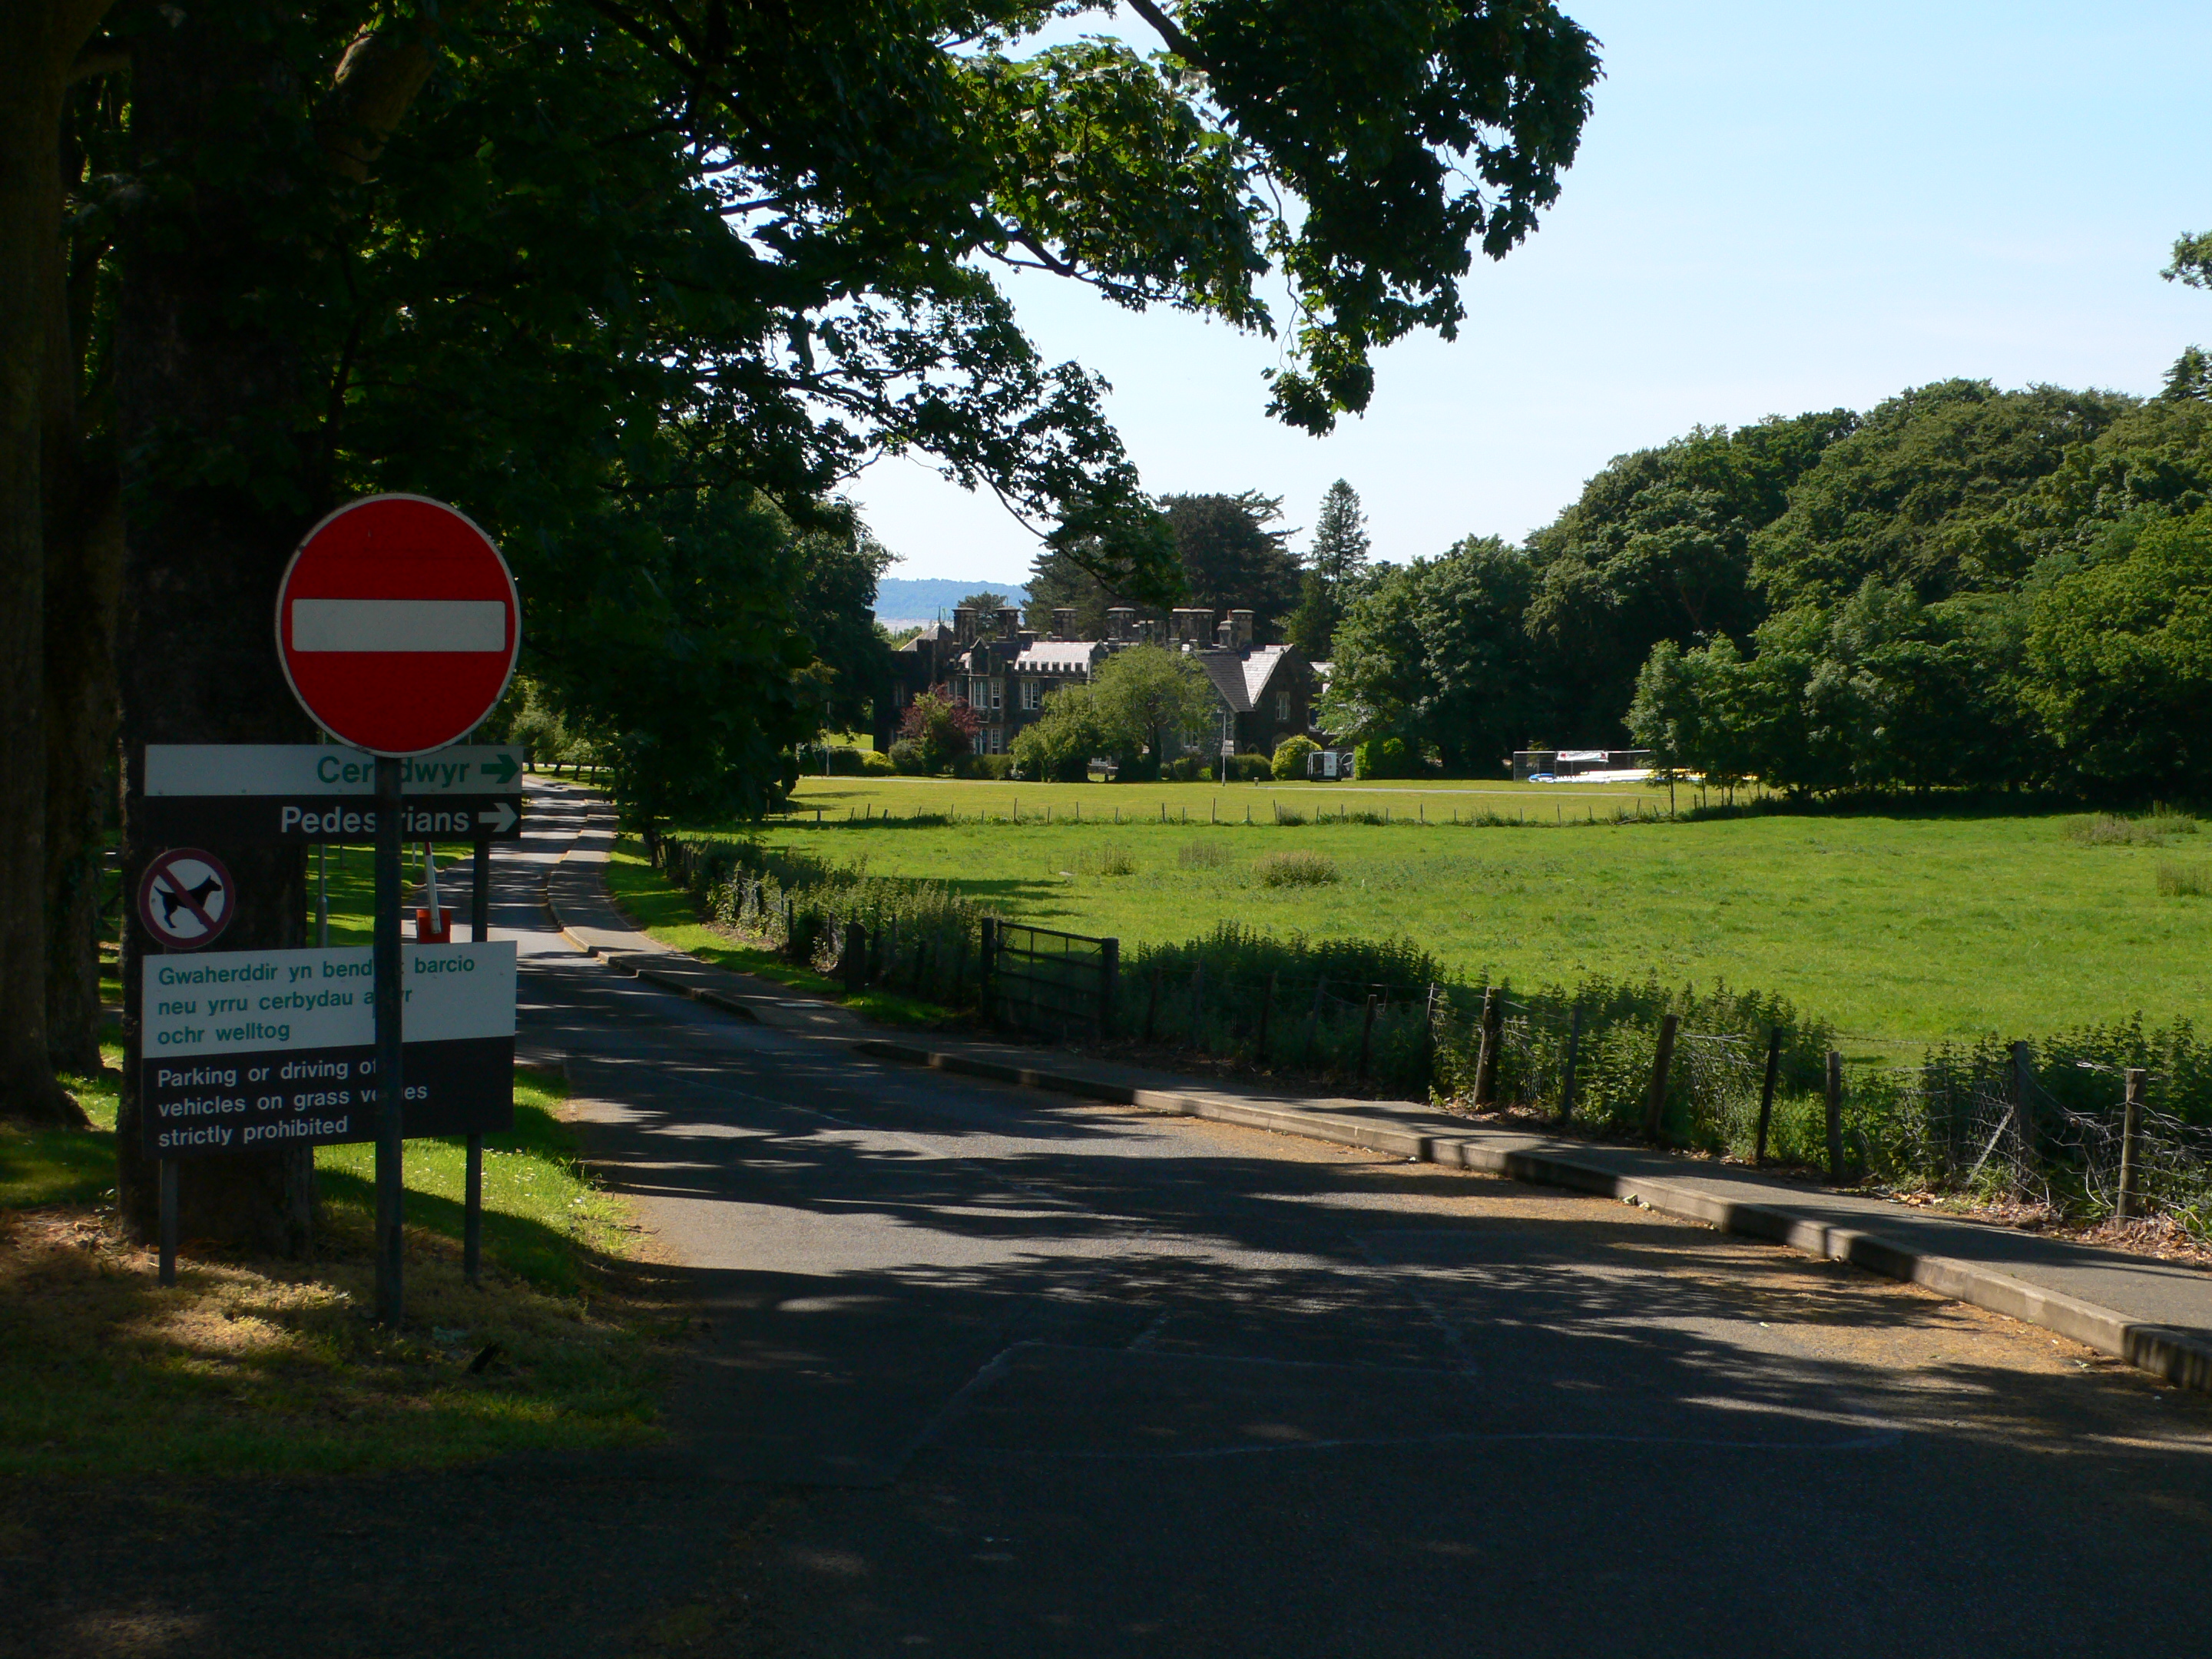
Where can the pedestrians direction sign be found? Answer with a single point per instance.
(246, 1049)
(397, 623)
(303, 792)
(186, 898)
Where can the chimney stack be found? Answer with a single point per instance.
(1121, 622)
(1190, 624)
(963, 626)
(1063, 622)
(1009, 622)
(1240, 623)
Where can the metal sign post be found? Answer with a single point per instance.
(473, 1191)
(390, 997)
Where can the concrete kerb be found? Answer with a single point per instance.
(2178, 1357)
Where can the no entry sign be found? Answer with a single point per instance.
(397, 623)
(186, 898)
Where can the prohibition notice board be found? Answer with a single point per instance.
(244, 1049)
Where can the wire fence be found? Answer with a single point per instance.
(1720, 1071)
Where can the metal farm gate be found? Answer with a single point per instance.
(1047, 982)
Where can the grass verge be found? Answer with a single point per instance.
(250, 1366)
(666, 914)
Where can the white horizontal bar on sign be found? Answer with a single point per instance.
(398, 625)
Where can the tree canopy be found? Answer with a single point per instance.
(1141, 696)
(1227, 555)
(1335, 565)
(1434, 653)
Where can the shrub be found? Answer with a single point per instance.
(1299, 869)
(999, 767)
(848, 763)
(1203, 855)
(906, 757)
(1289, 762)
(1187, 769)
(1385, 758)
(1250, 768)
(875, 761)
(1059, 746)
(941, 727)
(2186, 880)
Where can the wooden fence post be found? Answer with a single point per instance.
(1429, 1039)
(1110, 971)
(1767, 1096)
(1366, 1032)
(2130, 1138)
(1313, 1020)
(854, 967)
(1654, 1110)
(987, 966)
(1835, 1092)
(1486, 1063)
(1567, 1066)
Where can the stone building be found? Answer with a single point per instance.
(1003, 670)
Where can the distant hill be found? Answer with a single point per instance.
(900, 602)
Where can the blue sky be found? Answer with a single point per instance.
(1777, 207)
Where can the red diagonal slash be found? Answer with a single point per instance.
(165, 871)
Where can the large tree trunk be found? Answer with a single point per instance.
(39, 41)
(204, 369)
(83, 519)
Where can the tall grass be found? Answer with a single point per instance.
(2155, 828)
(1299, 869)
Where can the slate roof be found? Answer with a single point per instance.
(1241, 677)
(930, 631)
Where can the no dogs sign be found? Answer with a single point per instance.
(397, 624)
(186, 898)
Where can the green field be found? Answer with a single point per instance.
(1900, 928)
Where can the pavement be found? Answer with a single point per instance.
(990, 1370)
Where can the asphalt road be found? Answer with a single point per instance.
(1032, 1377)
(988, 1373)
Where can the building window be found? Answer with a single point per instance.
(1033, 693)
(1282, 708)
(998, 696)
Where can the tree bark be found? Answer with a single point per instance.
(82, 514)
(39, 41)
(202, 367)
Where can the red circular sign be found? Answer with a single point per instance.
(186, 898)
(397, 622)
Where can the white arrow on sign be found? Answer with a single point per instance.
(500, 816)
